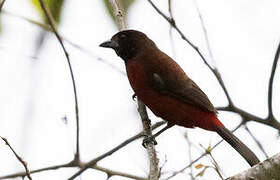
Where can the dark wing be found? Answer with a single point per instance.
(185, 90)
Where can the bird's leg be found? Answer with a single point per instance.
(133, 97)
(152, 138)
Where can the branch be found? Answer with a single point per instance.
(123, 144)
(1, 5)
(27, 173)
(270, 85)
(111, 173)
(150, 146)
(250, 117)
(266, 170)
(201, 156)
(21, 174)
(256, 140)
(204, 31)
(71, 165)
(52, 24)
(90, 164)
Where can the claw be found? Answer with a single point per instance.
(147, 140)
(133, 97)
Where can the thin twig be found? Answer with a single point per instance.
(123, 144)
(214, 162)
(270, 85)
(204, 32)
(27, 173)
(256, 140)
(171, 38)
(52, 24)
(186, 135)
(111, 173)
(197, 159)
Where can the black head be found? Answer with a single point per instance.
(129, 43)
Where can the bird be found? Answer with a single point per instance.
(163, 86)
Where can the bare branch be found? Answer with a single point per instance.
(266, 170)
(117, 173)
(197, 159)
(186, 135)
(250, 117)
(204, 32)
(74, 164)
(21, 174)
(123, 144)
(214, 162)
(170, 29)
(27, 173)
(150, 146)
(270, 85)
(53, 27)
(256, 140)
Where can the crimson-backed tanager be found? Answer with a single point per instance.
(162, 85)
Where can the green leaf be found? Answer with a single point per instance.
(123, 4)
(55, 7)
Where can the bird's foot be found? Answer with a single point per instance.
(133, 97)
(147, 140)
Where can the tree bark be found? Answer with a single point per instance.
(266, 170)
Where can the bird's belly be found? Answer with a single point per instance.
(167, 107)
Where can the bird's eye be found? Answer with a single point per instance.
(122, 36)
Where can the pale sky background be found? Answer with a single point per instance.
(37, 93)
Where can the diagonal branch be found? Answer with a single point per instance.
(256, 140)
(201, 156)
(27, 173)
(1, 5)
(52, 24)
(123, 144)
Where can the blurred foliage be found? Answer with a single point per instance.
(123, 4)
(55, 7)
(1, 5)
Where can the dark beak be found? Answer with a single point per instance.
(109, 44)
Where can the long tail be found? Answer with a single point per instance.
(243, 150)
